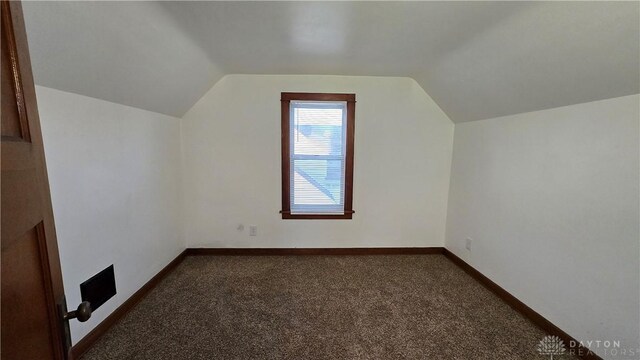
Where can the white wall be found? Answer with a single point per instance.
(550, 199)
(231, 160)
(114, 176)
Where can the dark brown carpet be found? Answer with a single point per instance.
(320, 307)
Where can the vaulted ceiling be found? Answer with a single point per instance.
(477, 60)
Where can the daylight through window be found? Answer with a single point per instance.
(317, 155)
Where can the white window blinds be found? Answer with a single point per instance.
(317, 156)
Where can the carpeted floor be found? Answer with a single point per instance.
(320, 307)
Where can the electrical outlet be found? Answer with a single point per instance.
(253, 230)
(467, 244)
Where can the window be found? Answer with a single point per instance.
(317, 155)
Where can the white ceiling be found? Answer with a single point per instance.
(477, 60)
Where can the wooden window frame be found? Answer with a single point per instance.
(285, 101)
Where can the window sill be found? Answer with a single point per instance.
(290, 216)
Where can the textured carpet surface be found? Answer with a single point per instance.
(320, 307)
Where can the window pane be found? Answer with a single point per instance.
(318, 185)
(317, 145)
(317, 130)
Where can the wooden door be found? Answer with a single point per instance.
(30, 267)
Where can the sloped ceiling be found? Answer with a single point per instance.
(477, 60)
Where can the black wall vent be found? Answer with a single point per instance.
(99, 288)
